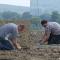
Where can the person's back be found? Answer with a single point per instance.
(54, 28)
(7, 29)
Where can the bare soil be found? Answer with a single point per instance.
(31, 49)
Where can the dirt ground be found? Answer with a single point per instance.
(45, 52)
(31, 49)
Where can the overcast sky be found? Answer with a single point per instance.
(16, 2)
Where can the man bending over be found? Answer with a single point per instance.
(52, 32)
(8, 35)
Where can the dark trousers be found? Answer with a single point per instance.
(54, 39)
(5, 45)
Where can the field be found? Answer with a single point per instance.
(31, 48)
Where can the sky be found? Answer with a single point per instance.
(16, 2)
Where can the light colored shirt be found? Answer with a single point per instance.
(53, 27)
(9, 30)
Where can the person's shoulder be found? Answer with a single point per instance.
(52, 23)
(55, 23)
(12, 25)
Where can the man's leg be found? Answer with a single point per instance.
(57, 39)
(50, 40)
(5, 45)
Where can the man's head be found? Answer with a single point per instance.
(21, 27)
(44, 23)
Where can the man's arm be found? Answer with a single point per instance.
(46, 35)
(15, 43)
(13, 36)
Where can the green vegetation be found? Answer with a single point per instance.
(13, 17)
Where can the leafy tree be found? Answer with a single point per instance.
(55, 16)
(45, 16)
(26, 15)
(35, 23)
(10, 15)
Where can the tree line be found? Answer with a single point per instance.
(54, 16)
(14, 16)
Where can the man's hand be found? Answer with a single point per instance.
(18, 46)
(42, 42)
